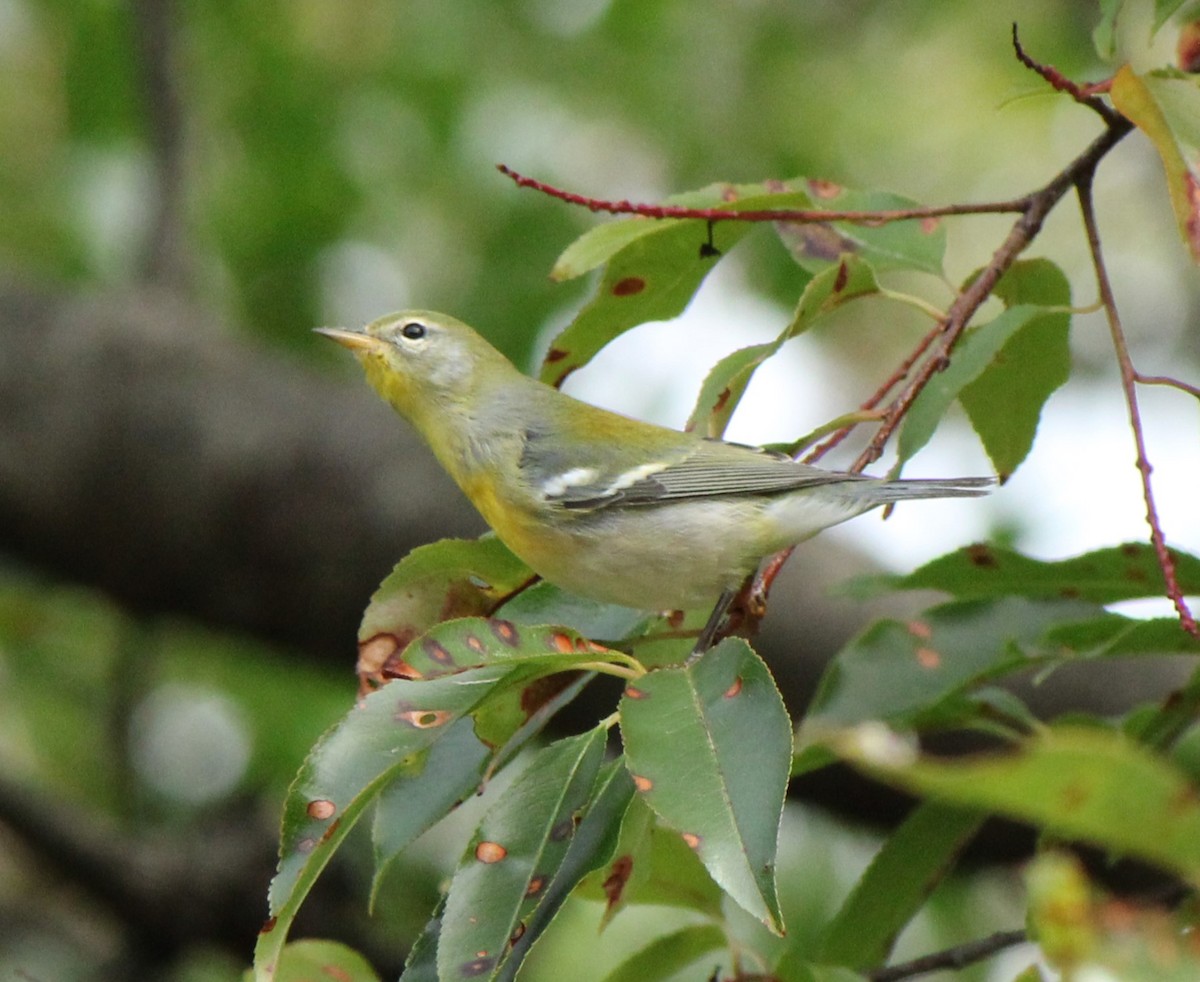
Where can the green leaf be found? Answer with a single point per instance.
(914, 244)
(1122, 18)
(896, 884)
(514, 855)
(1005, 403)
(1091, 784)
(651, 865)
(447, 579)
(668, 954)
(904, 671)
(376, 742)
(302, 961)
(421, 963)
(652, 278)
(971, 358)
(1124, 572)
(591, 847)
(709, 747)
(544, 603)
(1137, 101)
(726, 383)
(438, 779)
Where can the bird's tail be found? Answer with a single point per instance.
(912, 488)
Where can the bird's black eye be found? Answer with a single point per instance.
(413, 331)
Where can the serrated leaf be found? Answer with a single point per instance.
(443, 580)
(1104, 576)
(903, 671)
(1005, 402)
(591, 847)
(896, 884)
(1137, 101)
(421, 963)
(1091, 784)
(668, 954)
(709, 748)
(514, 855)
(726, 383)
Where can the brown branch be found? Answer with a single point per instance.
(959, 956)
(1085, 95)
(646, 210)
(1129, 380)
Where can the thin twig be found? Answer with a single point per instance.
(1192, 390)
(1085, 95)
(808, 215)
(959, 956)
(1129, 385)
(971, 299)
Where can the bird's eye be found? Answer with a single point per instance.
(413, 331)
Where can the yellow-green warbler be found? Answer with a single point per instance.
(602, 505)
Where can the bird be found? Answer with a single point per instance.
(602, 505)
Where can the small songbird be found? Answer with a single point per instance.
(600, 504)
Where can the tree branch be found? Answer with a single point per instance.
(958, 957)
(1129, 380)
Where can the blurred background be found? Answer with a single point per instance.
(197, 495)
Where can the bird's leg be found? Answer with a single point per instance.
(709, 635)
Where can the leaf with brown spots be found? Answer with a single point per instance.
(652, 269)
(1105, 576)
(1092, 784)
(717, 765)
(889, 673)
(886, 246)
(447, 579)
(489, 901)
(654, 867)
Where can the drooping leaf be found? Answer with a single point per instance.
(1104, 576)
(1091, 784)
(709, 747)
(1138, 102)
(513, 857)
(591, 847)
(443, 580)
(1121, 17)
(421, 964)
(652, 271)
(1005, 402)
(441, 776)
(726, 383)
(894, 887)
(375, 743)
(668, 954)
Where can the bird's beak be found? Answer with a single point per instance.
(356, 341)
